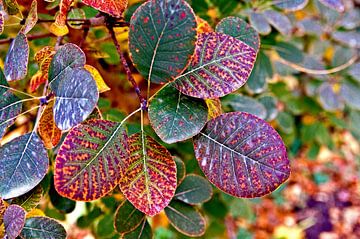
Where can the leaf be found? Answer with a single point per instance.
(242, 155)
(270, 103)
(351, 94)
(10, 105)
(31, 19)
(44, 228)
(291, 5)
(239, 29)
(68, 56)
(127, 217)
(17, 58)
(75, 98)
(76, 13)
(289, 52)
(176, 117)
(43, 58)
(29, 200)
(59, 27)
(259, 22)
(214, 107)
(88, 163)
(285, 122)
(113, 7)
(23, 164)
(149, 175)
(351, 19)
(180, 169)
(202, 26)
(279, 21)
(11, 7)
(2, 210)
(63, 204)
(162, 38)
(193, 190)
(349, 38)
(329, 97)
(221, 64)
(263, 70)
(143, 231)
(186, 219)
(48, 131)
(334, 4)
(246, 104)
(14, 219)
(101, 85)
(354, 71)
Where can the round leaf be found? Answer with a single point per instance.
(162, 39)
(127, 217)
(23, 164)
(175, 116)
(29, 200)
(149, 177)
(88, 163)
(221, 64)
(193, 190)
(44, 228)
(113, 7)
(14, 219)
(242, 155)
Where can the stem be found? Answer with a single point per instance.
(131, 114)
(143, 101)
(85, 34)
(29, 37)
(19, 101)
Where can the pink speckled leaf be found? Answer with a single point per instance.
(242, 155)
(162, 39)
(88, 164)
(112, 7)
(14, 220)
(221, 64)
(149, 176)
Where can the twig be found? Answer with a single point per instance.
(29, 37)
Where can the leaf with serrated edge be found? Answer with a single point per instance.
(242, 155)
(31, 19)
(17, 58)
(127, 217)
(143, 231)
(23, 164)
(14, 220)
(89, 161)
(186, 219)
(113, 7)
(44, 228)
(149, 177)
(221, 64)
(162, 38)
(29, 200)
(48, 131)
(194, 190)
(175, 116)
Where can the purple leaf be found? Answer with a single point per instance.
(278, 20)
(334, 4)
(259, 22)
(14, 220)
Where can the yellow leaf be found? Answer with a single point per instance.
(102, 87)
(285, 232)
(35, 213)
(214, 108)
(2, 230)
(203, 26)
(59, 29)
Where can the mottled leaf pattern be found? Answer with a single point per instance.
(17, 58)
(221, 64)
(44, 228)
(175, 116)
(23, 164)
(31, 19)
(162, 39)
(149, 176)
(48, 131)
(88, 163)
(242, 155)
(14, 220)
(193, 190)
(278, 20)
(43, 58)
(127, 217)
(334, 4)
(29, 200)
(112, 7)
(75, 98)
(291, 5)
(238, 28)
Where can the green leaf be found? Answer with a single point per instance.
(63, 204)
(10, 105)
(127, 217)
(262, 71)
(44, 228)
(176, 117)
(180, 169)
(14, 219)
(278, 20)
(351, 94)
(11, 7)
(270, 103)
(162, 39)
(186, 219)
(143, 231)
(193, 190)
(245, 104)
(17, 58)
(291, 5)
(23, 164)
(88, 164)
(221, 64)
(286, 122)
(238, 28)
(105, 227)
(289, 52)
(75, 98)
(76, 13)
(29, 200)
(259, 22)
(149, 177)
(242, 155)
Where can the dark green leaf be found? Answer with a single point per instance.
(44, 228)
(193, 190)
(64, 205)
(127, 217)
(180, 169)
(143, 231)
(285, 122)
(261, 72)
(270, 104)
(289, 52)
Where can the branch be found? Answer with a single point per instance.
(29, 37)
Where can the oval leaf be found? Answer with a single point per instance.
(221, 65)
(113, 7)
(351, 94)
(162, 39)
(291, 5)
(44, 228)
(23, 164)
(175, 116)
(31, 19)
(17, 58)
(14, 220)
(186, 219)
(280, 21)
(334, 4)
(242, 155)
(238, 28)
(88, 163)
(262, 71)
(29, 200)
(149, 176)
(143, 231)
(193, 190)
(101, 85)
(75, 98)
(127, 217)
(246, 104)
(48, 131)
(259, 22)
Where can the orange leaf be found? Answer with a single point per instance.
(59, 27)
(112, 7)
(48, 131)
(203, 26)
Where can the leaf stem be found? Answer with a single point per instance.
(29, 37)
(131, 114)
